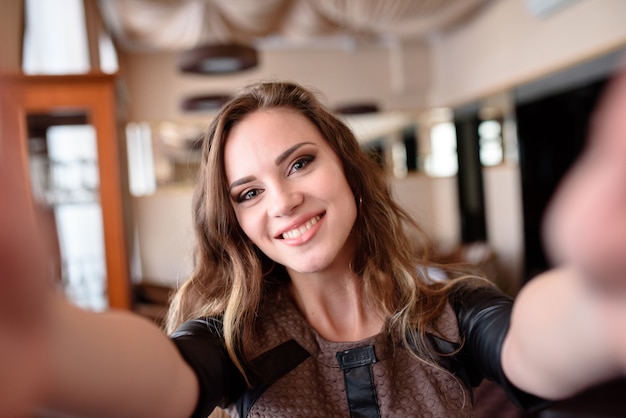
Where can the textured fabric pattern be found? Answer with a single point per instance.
(405, 386)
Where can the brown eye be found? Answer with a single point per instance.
(248, 195)
(301, 163)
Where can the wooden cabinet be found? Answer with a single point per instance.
(29, 107)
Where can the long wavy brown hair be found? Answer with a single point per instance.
(231, 275)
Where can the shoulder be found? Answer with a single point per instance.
(200, 342)
(482, 312)
(207, 327)
(278, 321)
(472, 300)
(469, 304)
(471, 328)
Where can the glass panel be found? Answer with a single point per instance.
(55, 38)
(490, 143)
(108, 55)
(64, 177)
(141, 173)
(163, 154)
(443, 160)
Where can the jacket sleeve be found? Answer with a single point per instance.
(201, 344)
(483, 314)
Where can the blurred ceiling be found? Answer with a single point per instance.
(166, 25)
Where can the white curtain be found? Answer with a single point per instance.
(179, 25)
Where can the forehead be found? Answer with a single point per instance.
(279, 124)
(267, 133)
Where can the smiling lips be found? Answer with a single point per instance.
(296, 232)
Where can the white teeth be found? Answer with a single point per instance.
(295, 233)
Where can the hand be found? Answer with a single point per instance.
(24, 289)
(585, 225)
(614, 313)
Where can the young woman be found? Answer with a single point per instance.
(308, 298)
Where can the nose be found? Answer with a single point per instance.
(284, 199)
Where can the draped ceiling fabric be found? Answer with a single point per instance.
(180, 25)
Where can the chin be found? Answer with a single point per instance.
(307, 268)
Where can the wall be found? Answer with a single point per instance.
(433, 203)
(396, 76)
(503, 210)
(164, 236)
(506, 46)
(10, 35)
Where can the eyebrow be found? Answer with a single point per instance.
(239, 182)
(282, 157)
(285, 154)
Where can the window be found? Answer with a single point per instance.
(490, 143)
(442, 160)
(65, 178)
(56, 39)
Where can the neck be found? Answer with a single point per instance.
(335, 307)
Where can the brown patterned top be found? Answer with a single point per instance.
(404, 385)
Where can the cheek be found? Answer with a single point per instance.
(249, 224)
(348, 203)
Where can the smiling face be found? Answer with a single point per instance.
(289, 191)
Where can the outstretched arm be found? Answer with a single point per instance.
(568, 329)
(565, 336)
(115, 364)
(23, 299)
(54, 356)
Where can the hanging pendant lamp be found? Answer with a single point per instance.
(215, 59)
(204, 103)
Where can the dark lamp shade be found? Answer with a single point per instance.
(218, 59)
(205, 103)
(357, 108)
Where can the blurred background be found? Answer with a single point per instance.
(475, 109)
